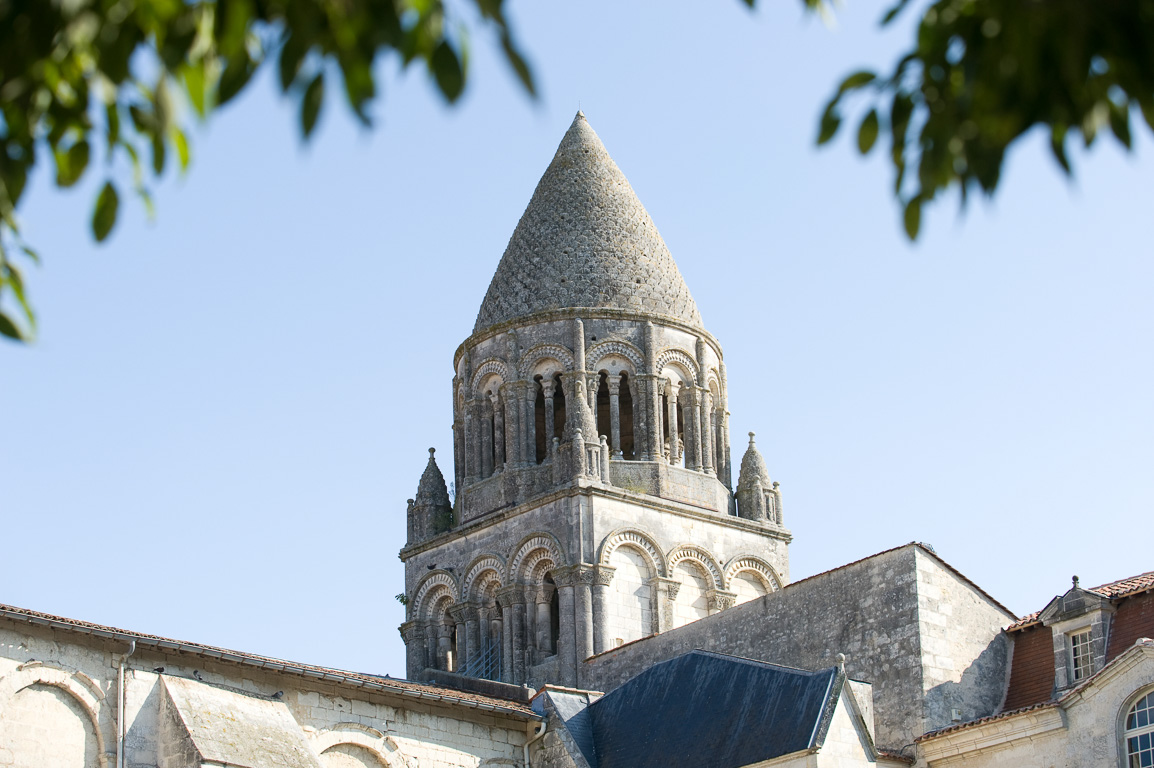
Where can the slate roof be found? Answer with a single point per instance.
(1130, 585)
(586, 241)
(706, 708)
(377, 683)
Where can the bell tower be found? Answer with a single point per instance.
(594, 500)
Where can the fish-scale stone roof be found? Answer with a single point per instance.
(585, 241)
(753, 467)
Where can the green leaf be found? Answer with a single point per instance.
(30, 253)
(830, 122)
(518, 63)
(867, 133)
(112, 118)
(447, 69)
(70, 165)
(291, 56)
(196, 86)
(858, 79)
(1120, 123)
(894, 11)
(234, 78)
(159, 154)
(180, 141)
(104, 216)
(9, 328)
(913, 218)
(1058, 147)
(311, 104)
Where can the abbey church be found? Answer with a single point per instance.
(608, 587)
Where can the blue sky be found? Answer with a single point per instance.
(215, 436)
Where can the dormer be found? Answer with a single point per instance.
(1080, 623)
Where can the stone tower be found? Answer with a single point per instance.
(594, 500)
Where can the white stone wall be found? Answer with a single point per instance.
(1085, 729)
(691, 603)
(58, 704)
(629, 612)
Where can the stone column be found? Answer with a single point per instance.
(602, 578)
(472, 457)
(689, 421)
(498, 434)
(460, 616)
(486, 437)
(695, 418)
(592, 389)
(431, 636)
(413, 633)
(547, 386)
(723, 414)
(505, 597)
(640, 442)
(520, 649)
(658, 439)
(472, 634)
(665, 595)
(604, 461)
(566, 648)
(579, 579)
(706, 432)
(512, 408)
(529, 422)
(544, 623)
(671, 388)
(615, 414)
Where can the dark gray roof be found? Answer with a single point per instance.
(706, 708)
(585, 241)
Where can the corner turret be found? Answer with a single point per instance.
(431, 512)
(757, 497)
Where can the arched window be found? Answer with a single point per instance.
(1139, 733)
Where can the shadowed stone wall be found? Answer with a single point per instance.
(925, 638)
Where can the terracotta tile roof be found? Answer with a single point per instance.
(1114, 590)
(379, 683)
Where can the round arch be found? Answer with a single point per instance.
(535, 355)
(384, 748)
(638, 540)
(752, 564)
(437, 578)
(490, 366)
(699, 556)
(477, 570)
(79, 687)
(619, 348)
(527, 546)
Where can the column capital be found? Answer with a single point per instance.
(412, 631)
(669, 587)
(603, 575)
(464, 612)
(548, 386)
(514, 594)
(614, 383)
(720, 599)
(543, 593)
(573, 575)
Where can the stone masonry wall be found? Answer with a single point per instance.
(868, 610)
(391, 729)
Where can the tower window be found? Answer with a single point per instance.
(1081, 655)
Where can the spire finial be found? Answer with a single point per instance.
(431, 452)
(751, 438)
(1075, 580)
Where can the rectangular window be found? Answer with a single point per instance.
(1082, 655)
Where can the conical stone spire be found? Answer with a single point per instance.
(430, 512)
(753, 468)
(585, 241)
